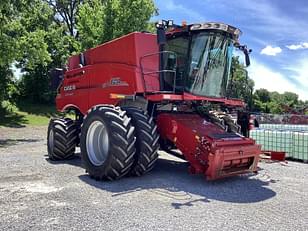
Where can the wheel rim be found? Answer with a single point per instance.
(97, 143)
(51, 140)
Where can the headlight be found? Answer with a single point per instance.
(217, 26)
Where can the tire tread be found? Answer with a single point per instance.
(65, 138)
(146, 141)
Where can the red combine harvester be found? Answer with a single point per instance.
(143, 91)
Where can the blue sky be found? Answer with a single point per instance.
(276, 31)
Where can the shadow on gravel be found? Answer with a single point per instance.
(75, 161)
(10, 142)
(171, 179)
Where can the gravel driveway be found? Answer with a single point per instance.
(37, 194)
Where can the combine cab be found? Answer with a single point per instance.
(143, 91)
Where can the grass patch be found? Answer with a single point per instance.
(25, 114)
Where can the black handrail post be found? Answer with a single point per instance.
(161, 67)
(161, 41)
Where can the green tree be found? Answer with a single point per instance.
(46, 45)
(290, 99)
(8, 44)
(276, 103)
(66, 12)
(263, 95)
(100, 21)
(241, 86)
(91, 24)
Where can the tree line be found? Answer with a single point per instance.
(262, 100)
(39, 35)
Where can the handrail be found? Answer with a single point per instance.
(159, 52)
(158, 71)
(152, 72)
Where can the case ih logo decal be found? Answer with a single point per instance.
(69, 88)
(116, 81)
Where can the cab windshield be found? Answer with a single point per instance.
(209, 64)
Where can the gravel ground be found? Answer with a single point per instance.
(36, 194)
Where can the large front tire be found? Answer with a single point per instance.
(147, 141)
(61, 138)
(107, 143)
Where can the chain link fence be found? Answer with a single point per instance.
(289, 138)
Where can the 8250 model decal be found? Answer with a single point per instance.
(116, 81)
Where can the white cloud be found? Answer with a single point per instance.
(272, 51)
(271, 80)
(298, 46)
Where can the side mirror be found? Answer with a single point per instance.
(247, 58)
(246, 52)
(56, 77)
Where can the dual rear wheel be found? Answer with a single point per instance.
(114, 142)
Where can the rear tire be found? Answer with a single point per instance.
(147, 141)
(61, 138)
(107, 143)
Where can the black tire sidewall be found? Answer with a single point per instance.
(50, 149)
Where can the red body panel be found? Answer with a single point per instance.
(127, 50)
(209, 149)
(113, 67)
(74, 91)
